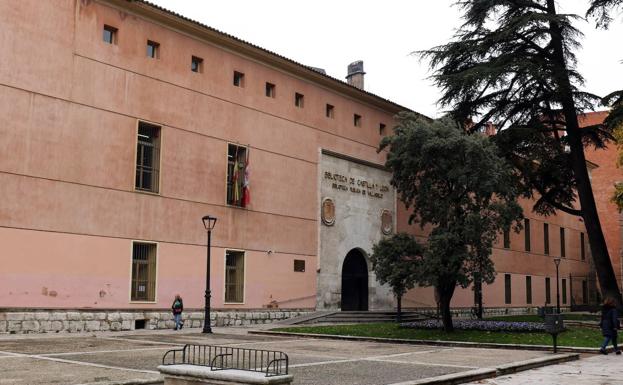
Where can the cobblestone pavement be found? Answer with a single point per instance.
(114, 358)
(593, 370)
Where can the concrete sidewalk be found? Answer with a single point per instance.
(593, 370)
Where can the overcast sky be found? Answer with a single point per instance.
(332, 34)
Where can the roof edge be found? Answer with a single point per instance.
(194, 28)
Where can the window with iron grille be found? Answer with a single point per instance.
(545, 239)
(143, 272)
(147, 157)
(507, 289)
(299, 265)
(236, 166)
(507, 239)
(528, 290)
(563, 251)
(234, 276)
(527, 233)
(563, 285)
(548, 293)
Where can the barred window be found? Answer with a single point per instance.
(507, 239)
(234, 276)
(237, 161)
(143, 272)
(527, 233)
(147, 157)
(548, 294)
(563, 251)
(545, 239)
(507, 289)
(299, 265)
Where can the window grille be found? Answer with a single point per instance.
(234, 276)
(143, 272)
(147, 157)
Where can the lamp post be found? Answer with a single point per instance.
(557, 263)
(208, 223)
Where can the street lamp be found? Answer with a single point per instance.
(208, 223)
(557, 262)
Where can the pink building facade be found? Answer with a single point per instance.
(123, 124)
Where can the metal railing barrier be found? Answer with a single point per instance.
(269, 362)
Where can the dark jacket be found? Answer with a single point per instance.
(609, 321)
(178, 306)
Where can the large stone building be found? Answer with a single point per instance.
(122, 124)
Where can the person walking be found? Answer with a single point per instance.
(178, 308)
(609, 324)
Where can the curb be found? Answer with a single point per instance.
(458, 344)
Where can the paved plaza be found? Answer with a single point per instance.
(592, 370)
(132, 358)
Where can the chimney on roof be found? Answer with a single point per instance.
(355, 74)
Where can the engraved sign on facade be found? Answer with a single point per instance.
(328, 212)
(356, 185)
(386, 222)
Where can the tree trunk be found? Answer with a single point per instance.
(597, 242)
(446, 291)
(399, 314)
(478, 293)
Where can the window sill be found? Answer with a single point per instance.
(146, 192)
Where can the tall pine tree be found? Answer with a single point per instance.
(513, 62)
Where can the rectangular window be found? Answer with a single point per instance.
(298, 100)
(196, 64)
(299, 265)
(234, 276)
(153, 49)
(582, 247)
(584, 292)
(238, 79)
(270, 90)
(545, 239)
(143, 272)
(507, 239)
(357, 120)
(110, 34)
(548, 293)
(564, 290)
(381, 129)
(329, 111)
(563, 252)
(236, 166)
(507, 289)
(528, 290)
(527, 233)
(147, 157)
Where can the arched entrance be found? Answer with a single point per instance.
(354, 281)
